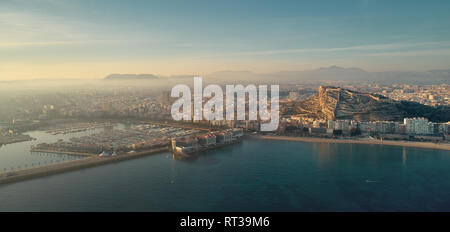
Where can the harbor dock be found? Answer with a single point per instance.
(60, 152)
(91, 161)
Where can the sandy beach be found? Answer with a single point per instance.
(441, 146)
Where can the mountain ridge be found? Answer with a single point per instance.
(331, 73)
(131, 77)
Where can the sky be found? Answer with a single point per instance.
(94, 38)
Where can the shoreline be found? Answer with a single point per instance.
(427, 145)
(68, 166)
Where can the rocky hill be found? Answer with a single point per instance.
(337, 103)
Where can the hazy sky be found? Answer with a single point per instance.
(90, 39)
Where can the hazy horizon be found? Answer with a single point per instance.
(223, 71)
(66, 39)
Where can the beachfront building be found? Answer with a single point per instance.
(207, 140)
(410, 126)
(224, 137)
(330, 124)
(418, 126)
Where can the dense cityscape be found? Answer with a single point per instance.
(121, 104)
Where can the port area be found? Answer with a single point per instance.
(69, 128)
(115, 144)
(9, 137)
(190, 145)
(89, 161)
(179, 154)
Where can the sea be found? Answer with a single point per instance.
(255, 175)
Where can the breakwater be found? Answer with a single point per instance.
(92, 161)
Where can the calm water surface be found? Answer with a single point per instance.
(257, 175)
(17, 156)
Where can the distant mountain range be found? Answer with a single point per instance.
(335, 73)
(131, 77)
(332, 73)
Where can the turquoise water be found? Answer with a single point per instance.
(256, 175)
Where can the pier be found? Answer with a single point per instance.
(179, 154)
(91, 161)
(178, 125)
(61, 152)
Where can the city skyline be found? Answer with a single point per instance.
(82, 39)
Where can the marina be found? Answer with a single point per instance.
(113, 143)
(77, 127)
